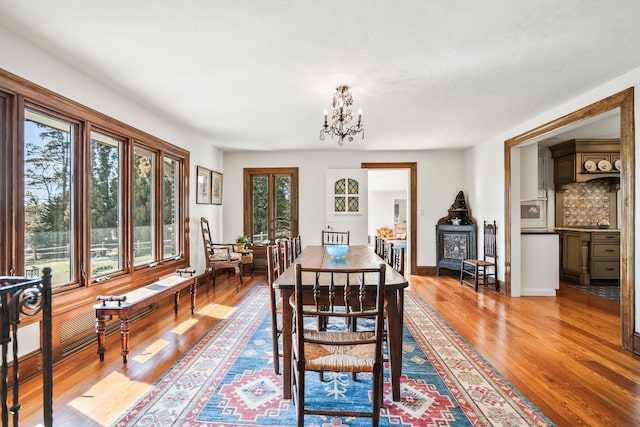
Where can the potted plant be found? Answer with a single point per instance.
(241, 240)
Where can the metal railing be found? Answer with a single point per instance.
(23, 296)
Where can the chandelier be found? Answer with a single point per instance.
(341, 118)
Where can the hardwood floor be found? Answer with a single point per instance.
(562, 353)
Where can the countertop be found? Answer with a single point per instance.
(589, 230)
(538, 232)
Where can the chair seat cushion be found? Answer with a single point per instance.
(221, 257)
(340, 358)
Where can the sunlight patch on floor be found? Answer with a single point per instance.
(215, 310)
(151, 351)
(102, 405)
(183, 326)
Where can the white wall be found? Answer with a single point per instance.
(382, 214)
(485, 184)
(38, 66)
(435, 193)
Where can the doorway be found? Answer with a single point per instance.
(625, 101)
(412, 205)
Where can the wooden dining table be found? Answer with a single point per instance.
(357, 257)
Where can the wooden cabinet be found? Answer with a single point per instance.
(589, 255)
(605, 256)
(571, 156)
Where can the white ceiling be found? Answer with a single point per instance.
(255, 74)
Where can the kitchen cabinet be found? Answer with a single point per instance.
(570, 157)
(605, 256)
(590, 255)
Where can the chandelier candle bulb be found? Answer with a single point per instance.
(359, 115)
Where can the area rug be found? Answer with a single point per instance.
(227, 379)
(609, 292)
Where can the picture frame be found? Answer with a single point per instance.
(216, 188)
(533, 214)
(203, 186)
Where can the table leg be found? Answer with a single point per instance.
(192, 291)
(101, 328)
(287, 316)
(394, 302)
(176, 301)
(124, 334)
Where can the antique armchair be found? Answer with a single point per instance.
(219, 256)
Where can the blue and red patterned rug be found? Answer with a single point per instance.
(227, 379)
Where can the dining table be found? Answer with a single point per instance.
(358, 256)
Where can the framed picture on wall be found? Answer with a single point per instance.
(203, 186)
(216, 188)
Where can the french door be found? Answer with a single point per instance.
(270, 203)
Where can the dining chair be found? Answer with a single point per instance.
(219, 256)
(398, 259)
(335, 237)
(377, 245)
(387, 252)
(475, 272)
(297, 246)
(273, 272)
(286, 253)
(332, 294)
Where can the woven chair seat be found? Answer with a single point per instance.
(338, 358)
(478, 262)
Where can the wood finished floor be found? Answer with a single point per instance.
(563, 353)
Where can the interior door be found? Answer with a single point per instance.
(347, 203)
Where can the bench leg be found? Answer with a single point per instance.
(124, 334)
(192, 291)
(101, 328)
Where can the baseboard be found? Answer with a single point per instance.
(537, 292)
(422, 270)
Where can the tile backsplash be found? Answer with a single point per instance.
(584, 203)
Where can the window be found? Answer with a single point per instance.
(270, 203)
(171, 209)
(49, 196)
(96, 200)
(143, 212)
(106, 204)
(346, 196)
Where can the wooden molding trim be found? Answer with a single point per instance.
(625, 101)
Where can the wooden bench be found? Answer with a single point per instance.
(125, 305)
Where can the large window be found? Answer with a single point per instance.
(96, 200)
(270, 203)
(143, 211)
(49, 218)
(106, 204)
(171, 204)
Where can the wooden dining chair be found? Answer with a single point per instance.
(323, 293)
(387, 252)
(273, 272)
(286, 253)
(335, 237)
(219, 256)
(379, 246)
(398, 259)
(297, 246)
(475, 272)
